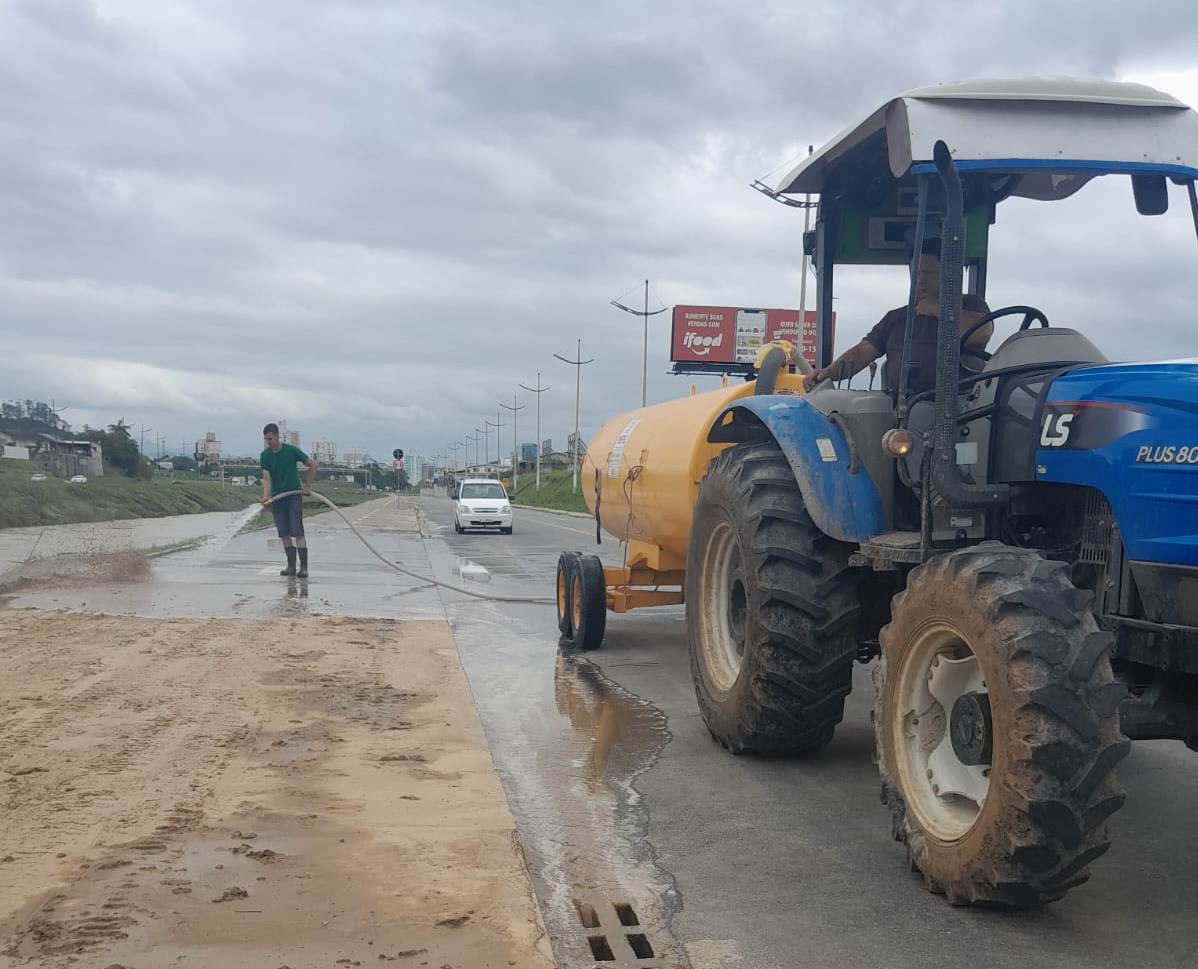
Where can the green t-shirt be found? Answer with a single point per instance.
(284, 475)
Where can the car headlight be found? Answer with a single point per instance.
(464, 508)
(505, 509)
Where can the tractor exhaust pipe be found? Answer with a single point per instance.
(945, 473)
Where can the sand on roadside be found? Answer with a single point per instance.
(301, 793)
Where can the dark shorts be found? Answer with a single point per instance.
(289, 516)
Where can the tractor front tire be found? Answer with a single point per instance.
(771, 608)
(997, 727)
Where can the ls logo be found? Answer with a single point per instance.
(1055, 432)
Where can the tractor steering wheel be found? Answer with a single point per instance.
(1030, 315)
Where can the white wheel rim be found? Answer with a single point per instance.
(723, 604)
(945, 794)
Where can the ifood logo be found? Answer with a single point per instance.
(701, 345)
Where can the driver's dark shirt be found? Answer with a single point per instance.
(887, 338)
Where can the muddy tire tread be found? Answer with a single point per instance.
(1072, 738)
(803, 610)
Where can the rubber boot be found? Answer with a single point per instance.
(290, 570)
(303, 562)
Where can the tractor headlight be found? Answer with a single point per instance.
(897, 442)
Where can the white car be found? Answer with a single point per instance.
(78, 479)
(37, 476)
(482, 503)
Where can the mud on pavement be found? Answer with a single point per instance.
(315, 792)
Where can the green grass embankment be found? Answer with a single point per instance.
(24, 502)
(555, 492)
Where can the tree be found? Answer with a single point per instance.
(183, 463)
(120, 450)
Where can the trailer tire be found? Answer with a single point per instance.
(997, 727)
(588, 602)
(562, 580)
(771, 608)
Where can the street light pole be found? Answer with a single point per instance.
(578, 365)
(515, 406)
(645, 359)
(538, 390)
(477, 432)
(496, 425)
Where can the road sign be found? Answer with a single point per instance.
(397, 454)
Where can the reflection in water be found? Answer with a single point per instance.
(470, 571)
(606, 857)
(623, 734)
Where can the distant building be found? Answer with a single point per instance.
(354, 457)
(286, 436)
(324, 452)
(208, 450)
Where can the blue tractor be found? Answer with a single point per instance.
(1011, 533)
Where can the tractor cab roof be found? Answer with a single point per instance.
(1052, 134)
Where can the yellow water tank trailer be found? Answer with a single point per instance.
(643, 470)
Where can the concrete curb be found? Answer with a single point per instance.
(558, 511)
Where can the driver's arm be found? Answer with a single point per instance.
(852, 361)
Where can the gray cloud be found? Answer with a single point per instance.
(375, 219)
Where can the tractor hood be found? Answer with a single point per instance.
(1131, 432)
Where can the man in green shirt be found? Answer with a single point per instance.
(279, 463)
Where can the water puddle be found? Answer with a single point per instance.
(469, 571)
(569, 746)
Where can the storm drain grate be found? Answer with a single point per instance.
(615, 935)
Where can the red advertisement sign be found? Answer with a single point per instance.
(728, 334)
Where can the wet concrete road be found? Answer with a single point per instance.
(622, 799)
(790, 863)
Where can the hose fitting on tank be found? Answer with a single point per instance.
(771, 358)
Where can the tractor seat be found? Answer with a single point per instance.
(1044, 345)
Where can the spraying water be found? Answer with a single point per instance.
(214, 544)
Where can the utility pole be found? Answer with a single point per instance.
(538, 390)
(142, 447)
(477, 432)
(645, 360)
(515, 406)
(454, 448)
(578, 365)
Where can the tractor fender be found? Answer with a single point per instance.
(838, 493)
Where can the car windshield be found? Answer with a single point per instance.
(484, 490)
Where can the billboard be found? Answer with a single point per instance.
(707, 335)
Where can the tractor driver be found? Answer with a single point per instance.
(887, 336)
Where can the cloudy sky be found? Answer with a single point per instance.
(376, 218)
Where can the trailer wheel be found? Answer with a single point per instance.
(565, 574)
(771, 608)
(588, 602)
(997, 727)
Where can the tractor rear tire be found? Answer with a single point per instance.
(771, 608)
(564, 576)
(588, 602)
(998, 727)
